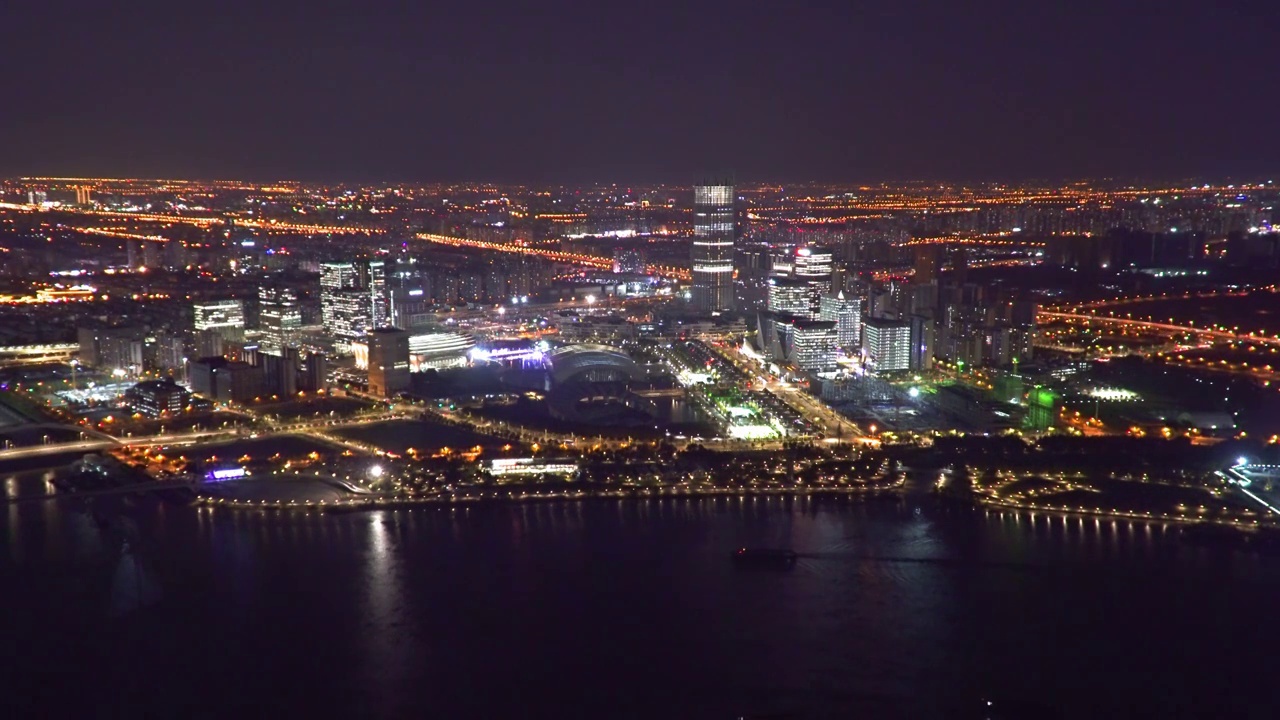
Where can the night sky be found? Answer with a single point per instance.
(642, 91)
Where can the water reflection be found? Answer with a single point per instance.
(425, 607)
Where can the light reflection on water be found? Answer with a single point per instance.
(427, 606)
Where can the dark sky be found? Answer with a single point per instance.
(642, 91)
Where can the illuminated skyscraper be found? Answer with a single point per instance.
(712, 256)
(216, 324)
(887, 344)
(335, 279)
(279, 317)
(846, 313)
(813, 266)
(380, 301)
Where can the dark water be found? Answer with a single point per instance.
(632, 609)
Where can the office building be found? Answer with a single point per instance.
(812, 344)
(813, 266)
(438, 350)
(312, 375)
(411, 307)
(886, 344)
(157, 398)
(379, 301)
(846, 313)
(217, 324)
(115, 349)
(790, 296)
(335, 279)
(279, 316)
(223, 380)
(388, 361)
(280, 372)
(350, 315)
(712, 255)
(223, 315)
(922, 342)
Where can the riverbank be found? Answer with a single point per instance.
(498, 495)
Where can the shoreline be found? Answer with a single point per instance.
(1064, 511)
(369, 504)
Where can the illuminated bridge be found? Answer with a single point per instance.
(23, 354)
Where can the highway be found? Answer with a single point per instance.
(1047, 315)
(592, 261)
(595, 261)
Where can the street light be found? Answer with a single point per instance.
(375, 472)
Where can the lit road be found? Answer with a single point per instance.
(54, 448)
(810, 407)
(1046, 315)
(593, 261)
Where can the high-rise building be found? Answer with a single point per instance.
(350, 315)
(311, 375)
(84, 196)
(922, 342)
(813, 266)
(846, 313)
(225, 316)
(928, 261)
(223, 380)
(280, 372)
(279, 316)
(379, 300)
(712, 256)
(166, 353)
(813, 344)
(217, 325)
(411, 307)
(353, 298)
(118, 349)
(886, 344)
(751, 272)
(335, 278)
(388, 361)
(790, 296)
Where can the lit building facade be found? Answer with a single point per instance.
(886, 344)
(221, 315)
(379, 300)
(336, 279)
(846, 313)
(813, 344)
(350, 315)
(279, 316)
(712, 255)
(790, 296)
(217, 324)
(157, 398)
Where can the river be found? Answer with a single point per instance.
(602, 608)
